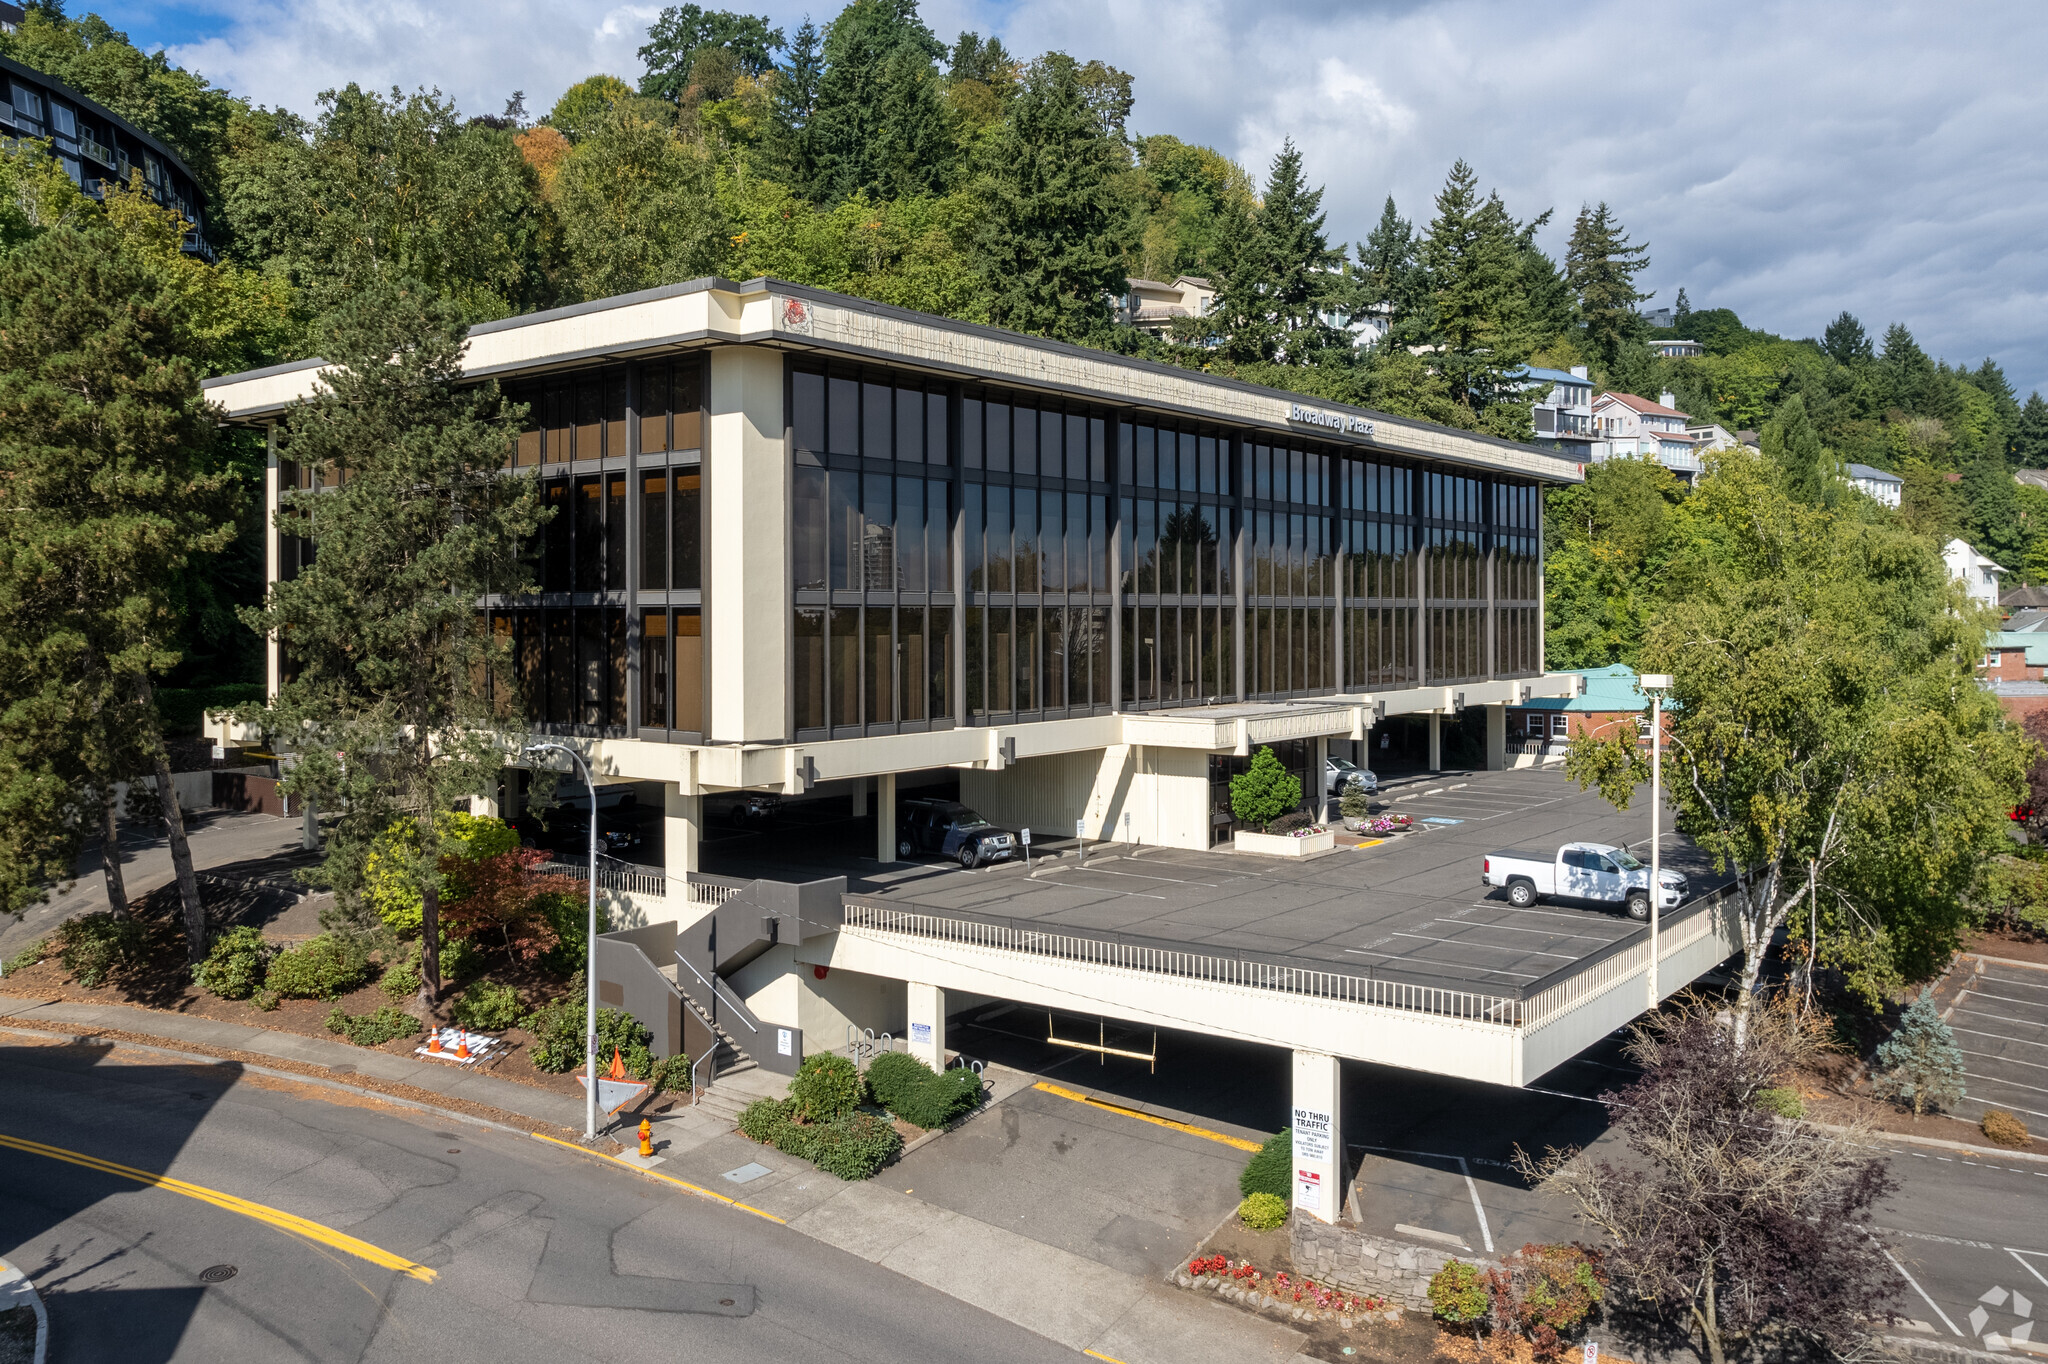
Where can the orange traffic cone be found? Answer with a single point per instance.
(434, 1040)
(462, 1045)
(618, 1070)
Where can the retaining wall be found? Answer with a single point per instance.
(1358, 1262)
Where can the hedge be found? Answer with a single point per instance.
(852, 1146)
(1271, 1168)
(908, 1088)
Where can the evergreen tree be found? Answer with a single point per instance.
(2030, 436)
(1553, 311)
(1808, 469)
(1908, 373)
(1845, 341)
(1681, 314)
(388, 701)
(1301, 269)
(1995, 526)
(792, 144)
(107, 452)
(682, 32)
(1050, 243)
(1602, 265)
(1392, 282)
(880, 126)
(1479, 311)
(1238, 322)
(1989, 379)
(1264, 791)
(1919, 1065)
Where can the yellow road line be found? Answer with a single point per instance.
(284, 1221)
(1239, 1142)
(1097, 1354)
(666, 1179)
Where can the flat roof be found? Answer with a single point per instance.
(1411, 909)
(798, 318)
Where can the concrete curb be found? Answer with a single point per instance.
(2003, 961)
(15, 1287)
(1944, 1144)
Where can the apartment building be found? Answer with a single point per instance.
(95, 147)
(1562, 410)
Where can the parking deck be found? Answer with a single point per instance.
(1408, 908)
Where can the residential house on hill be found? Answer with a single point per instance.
(1152, 306)
(1977, 574)
(1876, 483)
(1632, 427)
(1562, 408)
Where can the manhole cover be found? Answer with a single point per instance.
(216, 1274)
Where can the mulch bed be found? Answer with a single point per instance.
(2003, 942)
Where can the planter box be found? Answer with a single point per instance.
(1281, 845)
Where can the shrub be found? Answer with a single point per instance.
(391, 872)
(487, 1007)
(855, 1146)
(567, 917)
(2005, 1129)
(940, 1098)
(401, 979)
(1355, 804)
(1919, 1065)
(1271, 1168)
(1458, 1294)
(1289, 822)
(1546, 1292)
(26, 957)
(764, 1119)
(1262, 1211)
(1781, 1100)
(1264, 791)
(266, 1000)
(459, 958)
(91, 946)
(234, 964)
(826, 1087)
(894, 1074)
(557, 1030)
(671, 1074)
(325, 967)
(374, 1029)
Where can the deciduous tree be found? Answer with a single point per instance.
(682, 32)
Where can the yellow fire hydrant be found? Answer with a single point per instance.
(646, 1138)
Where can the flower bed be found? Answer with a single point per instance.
(1298, 843)
(1303, 1299)
(1388, 824)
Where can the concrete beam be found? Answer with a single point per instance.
(885, 817)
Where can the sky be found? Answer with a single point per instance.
(1787, 160)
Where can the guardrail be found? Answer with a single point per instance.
(631, 878)
(1258, 975)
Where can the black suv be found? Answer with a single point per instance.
(950, 829)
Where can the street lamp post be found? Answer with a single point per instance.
(1656, 684)
(589, 949)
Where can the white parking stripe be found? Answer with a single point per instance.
(2001, 1018)
(2008, 980)
(2001, 1080)
(1473, 942)
(2001, 1037)
(1974, 993)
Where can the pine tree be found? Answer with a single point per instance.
(1919, 1065)
(2030, 437)
(1553, 311)
(107, 452)
(1602, 266)
(388, 703)
(1302, 268)
(1681, 313)
(880, 126)
(1908, 374)
(1846, 341)
(1809, 471)
(1051, 242)
(1392, 282)
(1264, 791)
(1480, 312)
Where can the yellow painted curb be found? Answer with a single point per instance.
(1097, 1354)
(666, 1179)
(1239, 1142)
(284, 1221)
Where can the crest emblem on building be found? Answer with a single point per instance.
(796, 315)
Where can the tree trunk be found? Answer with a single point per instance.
(110, 854)
(174, 822)
(1711, 1325)
(430, 942)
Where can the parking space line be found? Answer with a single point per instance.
(1104, 871)
(1485, 1232)
(1517, 928)
(2000, 1080)
(1999, 1036)
(1974, 993)
(1497, 947)
(1076, 1096)
(2009, 1060)
(2001, 1018)
(1918, 1289)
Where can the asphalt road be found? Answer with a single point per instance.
(535, 1253)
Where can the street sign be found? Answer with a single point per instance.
(1027, 838)
(1081, 827)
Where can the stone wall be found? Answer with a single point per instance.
(1358, 1262)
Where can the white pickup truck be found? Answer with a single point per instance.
(1581, 871)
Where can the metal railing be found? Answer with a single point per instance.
(1341, 987)
(627, 878)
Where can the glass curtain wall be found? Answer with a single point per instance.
(1457, 593)
(1381, 579)
(572, 639)
(1036, 531)
(871, 545)
(1178, 533)
(1517, 579)
(1291, 586)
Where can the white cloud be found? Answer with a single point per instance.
(1787, 160)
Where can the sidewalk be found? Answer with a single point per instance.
(1125, 1317)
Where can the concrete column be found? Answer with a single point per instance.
(1496, 738)
(309, 826)
(927, 1024)
(682, 821)
(860, 796)
(885, 817)
(1319, 795)
(1436, 742)
(273, 561)
(1318, 1136)
(746, 548)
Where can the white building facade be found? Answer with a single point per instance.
(1977, 574)
(1628, 427)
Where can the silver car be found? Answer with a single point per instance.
(1341, 775)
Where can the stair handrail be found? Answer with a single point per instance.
(739, 1007)
(697, 1094)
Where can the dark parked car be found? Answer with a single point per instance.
(949, 829)
(567, 831)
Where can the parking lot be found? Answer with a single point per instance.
(1409, 907)
(2000, 1021)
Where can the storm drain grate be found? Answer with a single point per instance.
(216, 1273)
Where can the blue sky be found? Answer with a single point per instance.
(1787, 160)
